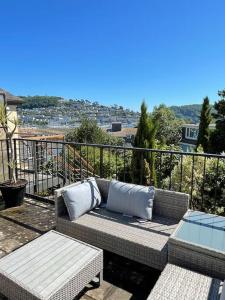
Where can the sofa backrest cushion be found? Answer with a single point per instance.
(166, 203)
(81, 198)
(130, 199)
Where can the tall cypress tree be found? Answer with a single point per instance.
(145, 138)
(217, 137)
(205, 119)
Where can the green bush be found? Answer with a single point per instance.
(202, 178)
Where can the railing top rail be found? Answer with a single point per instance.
(220, 156)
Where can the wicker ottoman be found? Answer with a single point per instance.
(198, 243)
(53, 267)
(176, 283)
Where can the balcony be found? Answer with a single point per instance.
(49, 165)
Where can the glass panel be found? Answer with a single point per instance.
(204, 230)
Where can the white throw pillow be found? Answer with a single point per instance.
(130, 199)
(81, 198)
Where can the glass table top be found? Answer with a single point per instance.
(203, 229)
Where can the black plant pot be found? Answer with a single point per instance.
(13, 193)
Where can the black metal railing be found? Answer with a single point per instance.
(48, 165)
(4, 157)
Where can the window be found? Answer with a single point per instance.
(191, 133)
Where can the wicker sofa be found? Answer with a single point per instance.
(142, 242)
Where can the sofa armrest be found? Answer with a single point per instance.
(171, 204)
(60, 207)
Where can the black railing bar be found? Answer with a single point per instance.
(117, 165)
(52, 168)
(42, 168)
(142, 168)
(94, 161)
(192, 179)
(217, 171)
(170, 184)
(109, 159)
(3, 161)
(134, 148)
(181, 172)
(57, 162)
(203, 183)
(40, 198)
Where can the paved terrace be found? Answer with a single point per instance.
(123, 279)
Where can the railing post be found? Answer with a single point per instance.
(15, 158)
(142, 169)
(35, 156)
(81, 168)
(64, 164)
(8, 158)
(101, 163)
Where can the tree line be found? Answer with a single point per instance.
(31, 102)
(212, 140)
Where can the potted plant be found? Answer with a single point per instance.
(13, 190)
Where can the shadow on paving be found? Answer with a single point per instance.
(133, 277)
(123, 279)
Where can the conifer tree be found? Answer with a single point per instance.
(217, 138)
(205, 119)
(145, 138)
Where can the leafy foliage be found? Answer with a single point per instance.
(204, 131)
(90, 132)
(208, 178)
(39, 101)
(217, 137)
(5, 120)
(145, 138)
(170, 129)
(165, 162)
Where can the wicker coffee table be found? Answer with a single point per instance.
(198, 243)
(53, 266)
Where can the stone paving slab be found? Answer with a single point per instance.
(123, 279)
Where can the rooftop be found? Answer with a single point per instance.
(11, 99)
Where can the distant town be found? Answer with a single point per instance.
(62, 113)
(55, 115)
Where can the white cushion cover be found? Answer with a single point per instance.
(81, 198)
(130, 199)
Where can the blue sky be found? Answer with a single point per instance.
(114, 51)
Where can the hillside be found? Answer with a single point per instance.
(54, 111)
(189, 113)
(39, 110)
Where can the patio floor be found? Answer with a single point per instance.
(123, 279)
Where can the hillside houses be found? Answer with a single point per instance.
(68, 113)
